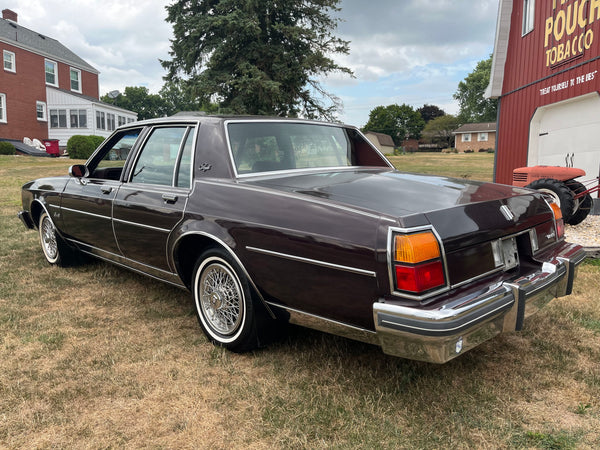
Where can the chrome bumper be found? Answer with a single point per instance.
(441, 334)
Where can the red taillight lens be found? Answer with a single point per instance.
(417, 260)
(420, 278)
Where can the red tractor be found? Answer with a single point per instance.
(572, 196)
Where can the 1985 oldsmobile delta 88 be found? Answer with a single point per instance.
(306, 222)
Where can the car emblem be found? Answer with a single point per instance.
(507, 213)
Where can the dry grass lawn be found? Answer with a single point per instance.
(96, 357)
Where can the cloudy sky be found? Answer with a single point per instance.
(401, 51)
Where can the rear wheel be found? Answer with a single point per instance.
(582, 205)
(562, 195)
(224, 302)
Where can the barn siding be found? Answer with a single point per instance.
(526, 73)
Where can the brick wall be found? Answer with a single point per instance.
(27, 86)
(475, 145)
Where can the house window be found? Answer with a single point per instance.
(40, 109)
(466, 137)
(58, 118)
(51, 73)
(100, 120)
(2, 108)
(122, 120)
(482, 137)
(110, 122)
(9, 61)
(528, 16)
(78, 118)
(75, 80)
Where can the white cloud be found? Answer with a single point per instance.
(401, 51)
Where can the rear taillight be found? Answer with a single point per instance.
(558, 219)
(417, 263)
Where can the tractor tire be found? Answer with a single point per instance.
(582, 205)
(562, 195)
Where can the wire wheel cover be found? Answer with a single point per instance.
(221, 299)
(49, 239)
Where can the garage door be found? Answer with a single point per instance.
(567, 133)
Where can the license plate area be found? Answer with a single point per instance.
(506, 254)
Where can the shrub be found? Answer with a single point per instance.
(81, 147)
(6, 148)
(469, 151)
(97, 140)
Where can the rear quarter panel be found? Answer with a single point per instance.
(256, 221)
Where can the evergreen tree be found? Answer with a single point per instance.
(256, 57)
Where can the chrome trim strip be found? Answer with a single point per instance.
(141, 225)
(393, 291)
(297, 197)
(330, 326)
(124, 258)
(99, 216)
(315, 262)
(133, 269)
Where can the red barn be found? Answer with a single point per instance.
(545, 73)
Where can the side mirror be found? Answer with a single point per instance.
(78, 170)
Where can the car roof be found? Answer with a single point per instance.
(201, 116)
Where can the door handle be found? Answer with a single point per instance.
(106, 189)
(169, 198)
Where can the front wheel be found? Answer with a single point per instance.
(55, 250)
(558, 190)
(224, 302)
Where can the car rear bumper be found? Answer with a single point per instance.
(439, 335)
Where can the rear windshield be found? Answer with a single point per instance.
(269, 146)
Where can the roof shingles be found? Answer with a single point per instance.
(19, 36)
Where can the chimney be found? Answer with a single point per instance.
(7, 14)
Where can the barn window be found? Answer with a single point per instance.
(528, 16)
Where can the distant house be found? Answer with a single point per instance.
(47, 91)
(476, 137)
(383, 142)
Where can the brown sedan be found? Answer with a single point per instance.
(306, 222)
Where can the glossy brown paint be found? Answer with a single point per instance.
(313, 240)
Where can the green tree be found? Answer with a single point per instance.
(178, 97)
(430, 112)
(439, 130)
(138, 99)
(400, 122)
(474, 107)
(256, 57)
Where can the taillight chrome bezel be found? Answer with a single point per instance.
(394, 231)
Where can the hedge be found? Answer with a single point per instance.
(6, 148)
(82, 147)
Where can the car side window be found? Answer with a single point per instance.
(158, 158)
(184, 172)
(109, 163)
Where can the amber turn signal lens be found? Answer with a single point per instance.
(558, 218)
(416, 248)
(556, 210)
